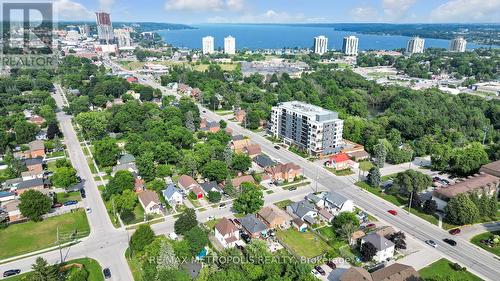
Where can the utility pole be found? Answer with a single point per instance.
(59, 245)
(409, 204)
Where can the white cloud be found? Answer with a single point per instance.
(105, 5)
(204, 5)
(396, 9)
(269, 16)
(467, 11)
(364, 14)
(69, 10)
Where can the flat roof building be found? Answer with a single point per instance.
(350, 45)
(208, 45)
(320, 45)
(230, 45)
(415, 45)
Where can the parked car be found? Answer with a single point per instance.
(370, 225)
(436, 179)
(57, 205)
(320, 270)
(245, 237)
(107, 273)
(292, 188)
(331, 264)
(70, 202)
(83, 193)
(454, 231)
(79, 178)
(222, 205)
(11, 272)
(88, 210)
(450, 241)
(277, 147)
(431, 243)
(393, 212)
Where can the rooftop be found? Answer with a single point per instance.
(467, 185)
(252, 224)
(148, 196)
(225, 226)
(378, 241)
(312, 111)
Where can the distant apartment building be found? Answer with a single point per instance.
(350, 45)
(84, 30)
(104, 28)
(208, 45)
(309, 127)
(458, 45)
(320, 45)
(415, 45)
(123, 37)
(230, 45)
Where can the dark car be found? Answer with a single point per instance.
(450, 241)
(57, 205)
(331, 264)
(11, 272)
(277, 147)
(83, 193)
(245, 237)
(436, 179)
(107, 273)
(320, 270)
(70, 202)
(79, 178)
(454, 231)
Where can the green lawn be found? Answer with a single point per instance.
(56, 154)
(62, 197)
(211, 224)
(387, 177)
(91, 265)
(365, 165)
(134, 264)
(394, 199)
(442, 270)
(485, 236)
(138, 213)
(27, 237)
(92, 167)
(283, 204)
(304, 244)
(51, 166)
(430, 218)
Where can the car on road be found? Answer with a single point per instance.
(320, 270)
(88, 210)
(107, 273)
(331, 264)
(431, 243)
(292, 188)
(70, 202)
(222, 205)
(56, 205)
(11, 272)
(450, 241)
(393, 212)
(204, 111)
(277, 147)
(83, 193)
(454, 231)
(79, 178)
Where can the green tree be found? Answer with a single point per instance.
(345, 218)
(146, 166)
(241, 162)
(373, 178)
(214, 196)
(468, 160)
(64, 177)
(215, 170)
(412, 181)
(142, 237)
(25, 131)
(106, 152)
(42, 271)
(185, 222)
(173, 275)
(399, 240)
(430, 206)
(125, 201)
(380, 153)
(368, 251)
(34, 204)
(122, 180)
(94, 124)
(250, 199)
(347, 230)
(197, 239)
(461, 210)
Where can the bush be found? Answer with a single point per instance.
(214, 196)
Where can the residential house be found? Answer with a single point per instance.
(337, 203)
(385, 248)
(187, 182)
(359, 155)
(7, 196)
(299, 224)
(264, 161)
(173, 195)
(10, 184)
(37, 149)
(198, 192)
(492, 168)
(195, 93)
(150, 202)
(34, 184)
(132, 79)
(393, 272)
(341, 161)
(236, 182)
(29, 175)
(239, 115)
(209, 126)
(252, 150)
(385, 231)
(131, 167)
(239, 143)
(480, 184)
(210, 186)
(37, 119)
(284, 172)
(274, 217)
(227, 233)
(253, 226)
(12, 209)
(324, 215)
(139, 184)
(303, 210)
(126, 159)
(34, 164)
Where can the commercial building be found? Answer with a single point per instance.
(458, 45)
(320, 45)
(311, 128)
(123, 37)
(229, 45)
(415, 45)
(350, 45)
(104, 28)
(208, 45)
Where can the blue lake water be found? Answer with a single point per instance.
(271, 36)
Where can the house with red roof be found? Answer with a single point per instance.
(341, 161)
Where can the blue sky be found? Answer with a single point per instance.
(284, 11)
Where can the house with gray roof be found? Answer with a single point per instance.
(211, 186)
(304, 210)
(173, 195)
(253, 226)
(331, 201)
(126, 159)
(35, 184)
(131, 167)
(385, 248)
(264, 161)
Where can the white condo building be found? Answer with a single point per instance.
(415, 45)
(230, 45)
(122, 36)
(309, 127)
(208, 45)
(320, 45)
(458, 45)
(350, 45)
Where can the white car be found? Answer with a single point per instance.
(431, 243)
(88, 210)
(210, 218)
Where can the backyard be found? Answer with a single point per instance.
(62, 197)
(394, 199)
(443, 270)
(486, 236)
(31, 236)
(303, 244)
